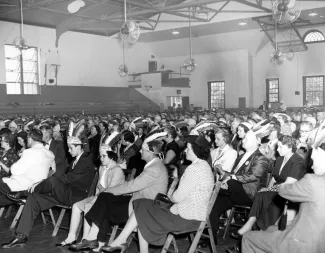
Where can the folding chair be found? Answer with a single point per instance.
(199, 232)
(64, 208)
(231, 216)
(2, 210)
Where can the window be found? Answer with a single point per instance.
(216, 91)
(313, 36)
(272, 90)
(21, 70)
(313, 87)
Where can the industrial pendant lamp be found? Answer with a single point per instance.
(189, 63)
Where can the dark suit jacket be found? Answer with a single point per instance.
(294, 167)
(79, 179)
(253, 173)
(58, 150)
(94, 143)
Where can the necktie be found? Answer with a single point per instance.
(74, 163)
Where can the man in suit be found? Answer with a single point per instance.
(66, 189)
(306, 232)
(32, 167)
(240, 186)
(57, 148)
(235, 141)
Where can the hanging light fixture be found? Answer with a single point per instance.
(277, 56)
(123, 69)
(189, 63)
(20, 42)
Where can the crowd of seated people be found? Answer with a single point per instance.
(263, 159)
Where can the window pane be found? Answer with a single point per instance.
(314, 86)
(14, 66)
(217, 94)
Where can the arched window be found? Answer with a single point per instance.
(314, 36)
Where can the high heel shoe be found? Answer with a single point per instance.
(118, 249)
(64, 244)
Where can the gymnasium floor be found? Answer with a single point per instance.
(41, 241)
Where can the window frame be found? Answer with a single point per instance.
(209, 93)
(304, 78)
(310, 31)
(21, 65)
(268, 90)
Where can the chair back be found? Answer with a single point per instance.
(131, 175)
(92, 189)
(172, 187)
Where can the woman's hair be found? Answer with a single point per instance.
(200, 152)
(212, 136)
(225, 135)
(246, 129)
(112, 155)
(105, 125)
(128, 136)
(277, 129)
(8, 138)
(97, 128)
(171, 131)
(289, 141)
(24, 136)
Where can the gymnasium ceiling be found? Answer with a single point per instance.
(157, 18)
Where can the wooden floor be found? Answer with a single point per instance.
(41, 241)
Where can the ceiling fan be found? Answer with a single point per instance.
(130, 30)
(286, 11)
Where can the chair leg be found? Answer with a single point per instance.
(18, 214)
(167, 243)
(113, 234)
(2, 209)
(175, 245)
(58, 223)
(8, 212)
(228, 222)
(52, 217)
(212, 242)
(43, 218)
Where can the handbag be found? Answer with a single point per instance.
(163, 201)
(283, 219)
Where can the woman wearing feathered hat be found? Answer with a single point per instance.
(110, 175)
(114, 205)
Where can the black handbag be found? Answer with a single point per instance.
(163, 201)
(283, 219)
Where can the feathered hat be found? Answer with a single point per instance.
(137, 122)
(75, 131)
(109, 141)
(319, 140)
(204, 126)
(155, 140)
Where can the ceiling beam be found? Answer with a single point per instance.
(220, 9)
(257, 6)
(175, 13)
(29, 6)
(152, 12)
